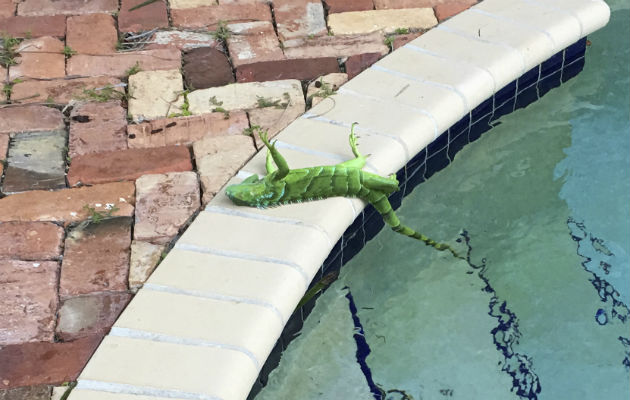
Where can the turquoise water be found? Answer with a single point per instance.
(540, 311)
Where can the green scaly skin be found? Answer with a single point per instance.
(285, 186)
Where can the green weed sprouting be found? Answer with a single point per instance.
(264, 102)
(222, 32)
(252, 130)
(68, 52)
(8, 53)
(96, 217)
(133, 70)
(101, 95)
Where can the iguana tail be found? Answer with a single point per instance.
(381, 203)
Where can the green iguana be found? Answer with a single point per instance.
(285, 186)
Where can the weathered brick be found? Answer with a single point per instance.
(61, 91)
(30, 119)
(208, 17)
(28, 301)
(335, 46)
(253, 42)
(399, 4)
(40, 58)
(206, 67)
(92, 34)
(165, 203)
(401, 40)
(185, 130)
(90, 314)
(299, 18)
(43, 362)
(148, 17)
(356, 64)
(66, 7)
(360, 22)
(322, 86)
(182, 40)
(118, 64)
(273, 120)
(35, 161)
(4, 146)
(127, 164)
(97, 127)
(218, 159)
(67, 205)
(155, 94)
(7, 8)
(302, 69)
(108, 242)
(21, 27)
(448, 9)
(30, 240)
(145, 257)
(338, 6)
(36, 392)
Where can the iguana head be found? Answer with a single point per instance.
(252, 192)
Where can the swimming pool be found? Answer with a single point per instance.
(540, 311)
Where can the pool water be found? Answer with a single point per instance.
(541, 203)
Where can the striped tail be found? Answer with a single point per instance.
(381, 203)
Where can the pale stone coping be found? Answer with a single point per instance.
(208, 317)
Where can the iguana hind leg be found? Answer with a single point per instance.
(360, 160)
(283, 166)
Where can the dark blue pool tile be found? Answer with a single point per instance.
(333, 261)
(458, 139)
(437, 155)
(528, 78)
(272, 362)
(414, 178)
(549, 82)
(373, 226)
(483, 109)
(575, 51)
(573, 69)
(352, 245)
(479, 127)
(526, 97)
(504, 101)
(552, 65)
(462, 125)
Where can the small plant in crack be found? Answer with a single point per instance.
(7, 88)
(133, 70)
(265, 102)
(325, 89)
(185, 107)
(252, 130)
(222, 32)
(96, 217)
(214, 102)
(68, 52)
(103, 94)
(8, 52)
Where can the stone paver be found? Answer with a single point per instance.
(218, 159)
(21, 27)
(89, 314)
(165, 203)
(118, 64)
(274, 119)
(67, 7)
(338, 6)
(97, 127)
(30, 119)
(38, 392)
(40, 58)
(209, 17)
(69, 203)
(145, 257)
(7, 8)
(127, 164)
(359, 22)
(321, 88)
(357, 63)
(335, 46)
(44, 362)
(244, 96)
(185, 130)
(155, 94)
(92, 34)
(35, 161)
(61, 91)
(302, 69)
(398, 4)
(253, 42)
(206, 67)
(30, 240)
(182, 40)
(299, 18)
(448, 9)
(96, 257)
(28, 302)
(148, 17)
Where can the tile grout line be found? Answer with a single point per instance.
(125, 388)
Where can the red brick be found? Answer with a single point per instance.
(30, 240)
(206, 67)
(97, 127)
(40, 58)
(60, 91)
(339, 6)
(448, 9)
(30, 118)
(209, 17)
(28, 301)
(182, 40)
(118, 64)
(396, 4)
(67, 205)
(185, 130)
(21, 27)
(66, 7)
(92, 34)
(144, 18)
(38, 363)
(89, 314)
(401, 40)
(127, 164)
(303, 69)
(96, 257)
(299, 18)
(335, 46)
(7, 8)
(253, 42)
(356, 64)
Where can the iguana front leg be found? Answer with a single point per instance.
(360, 160)
(283, 166)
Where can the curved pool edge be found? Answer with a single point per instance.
(210, 315)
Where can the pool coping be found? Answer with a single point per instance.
(209, 316)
